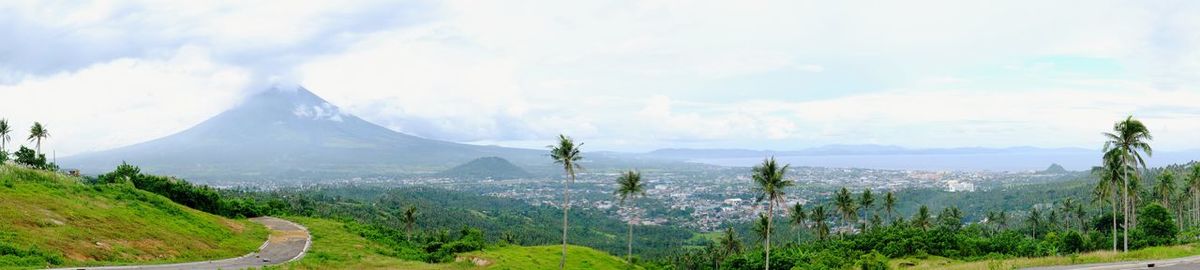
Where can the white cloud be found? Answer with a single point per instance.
(627, 75)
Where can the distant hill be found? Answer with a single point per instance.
(849, 149)
(1055, 168)
(486, 168)
(292, 134)
(48, 219)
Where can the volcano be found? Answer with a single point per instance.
(292, 134)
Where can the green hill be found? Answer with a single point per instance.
(48, 219)
(486, 168)
(337, 247)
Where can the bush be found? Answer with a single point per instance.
(873, 261)
(1072, 242)
(28, 157)
(1156, 227)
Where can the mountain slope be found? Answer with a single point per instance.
(47, 219)
(291, 134)
(486, 168)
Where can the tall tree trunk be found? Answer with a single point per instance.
(562, 262)
(770, 211)
(1125, 230)
(1114, 218)
(629, 254)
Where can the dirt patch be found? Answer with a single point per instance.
(477, 261)
(236, 227)
(281, 236)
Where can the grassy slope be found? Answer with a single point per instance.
(336, 248)
(111, 224)
(1153, 253)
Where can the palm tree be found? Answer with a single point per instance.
(729, 244)
(1109, 185)
(1193, 183)
(762, 228)
(1129, 137)
(629, 186)
(5, 130)
(845, 205)
(769, 185)
(798, 217)
(409, 217)
(1002, 219)
(1165, 188)
(566, 153)
(37, 133)
(867, 200)
(889, 204)
(818, 218)
(921, 220)
(1080, 215)
(1034, 220)
(1067, 207)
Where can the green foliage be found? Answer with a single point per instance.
(1072, 242)
(1156, 227)
(872, 261)
(28, 157)
(199, 197)
(3, 156)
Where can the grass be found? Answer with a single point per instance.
(335, 247)
(49, 219)
(1152, 253)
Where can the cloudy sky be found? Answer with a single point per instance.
(619, 75)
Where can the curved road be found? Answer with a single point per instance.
(288, 242)
(1172, 264)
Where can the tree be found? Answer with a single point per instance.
(409, 218)
(819, 218)
(1165, 188)
(889, 204)
(629, 186)
(845, 205)
(1129, 138)
(5, 131)
(1156, 226)
(798, 217)
(37, 133)
(866, 201)
(1109, 185)
(921, 219)
(567, 154)
(29, 158)
(950, 218)
(1033, 221)
(1067, 209)
(1081, 216)
(729, 244)
(769, 183)
(762, 228)
(1193, 184)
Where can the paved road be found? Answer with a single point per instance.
(1187, 263)
(288, 242)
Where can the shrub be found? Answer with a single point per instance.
(1156, 227)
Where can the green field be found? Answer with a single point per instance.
(49, 219)
(335, 247)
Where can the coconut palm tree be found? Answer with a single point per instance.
(1193, 183)
(845, 206)
(1034, 220)
(866, 201)
(889, 204)
(1130, 137)
(798, 217)
(37, 133)
(1080, 216)
(409, 217)
(769, 183)
(819, 218)
(762, 228)
(1109, 186)
(729, 244)
(1067, 208)
(629, 186)
(1165, 188)
(921, 219)
(567, 154)
(5, 130)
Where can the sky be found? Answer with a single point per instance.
(618, 75)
